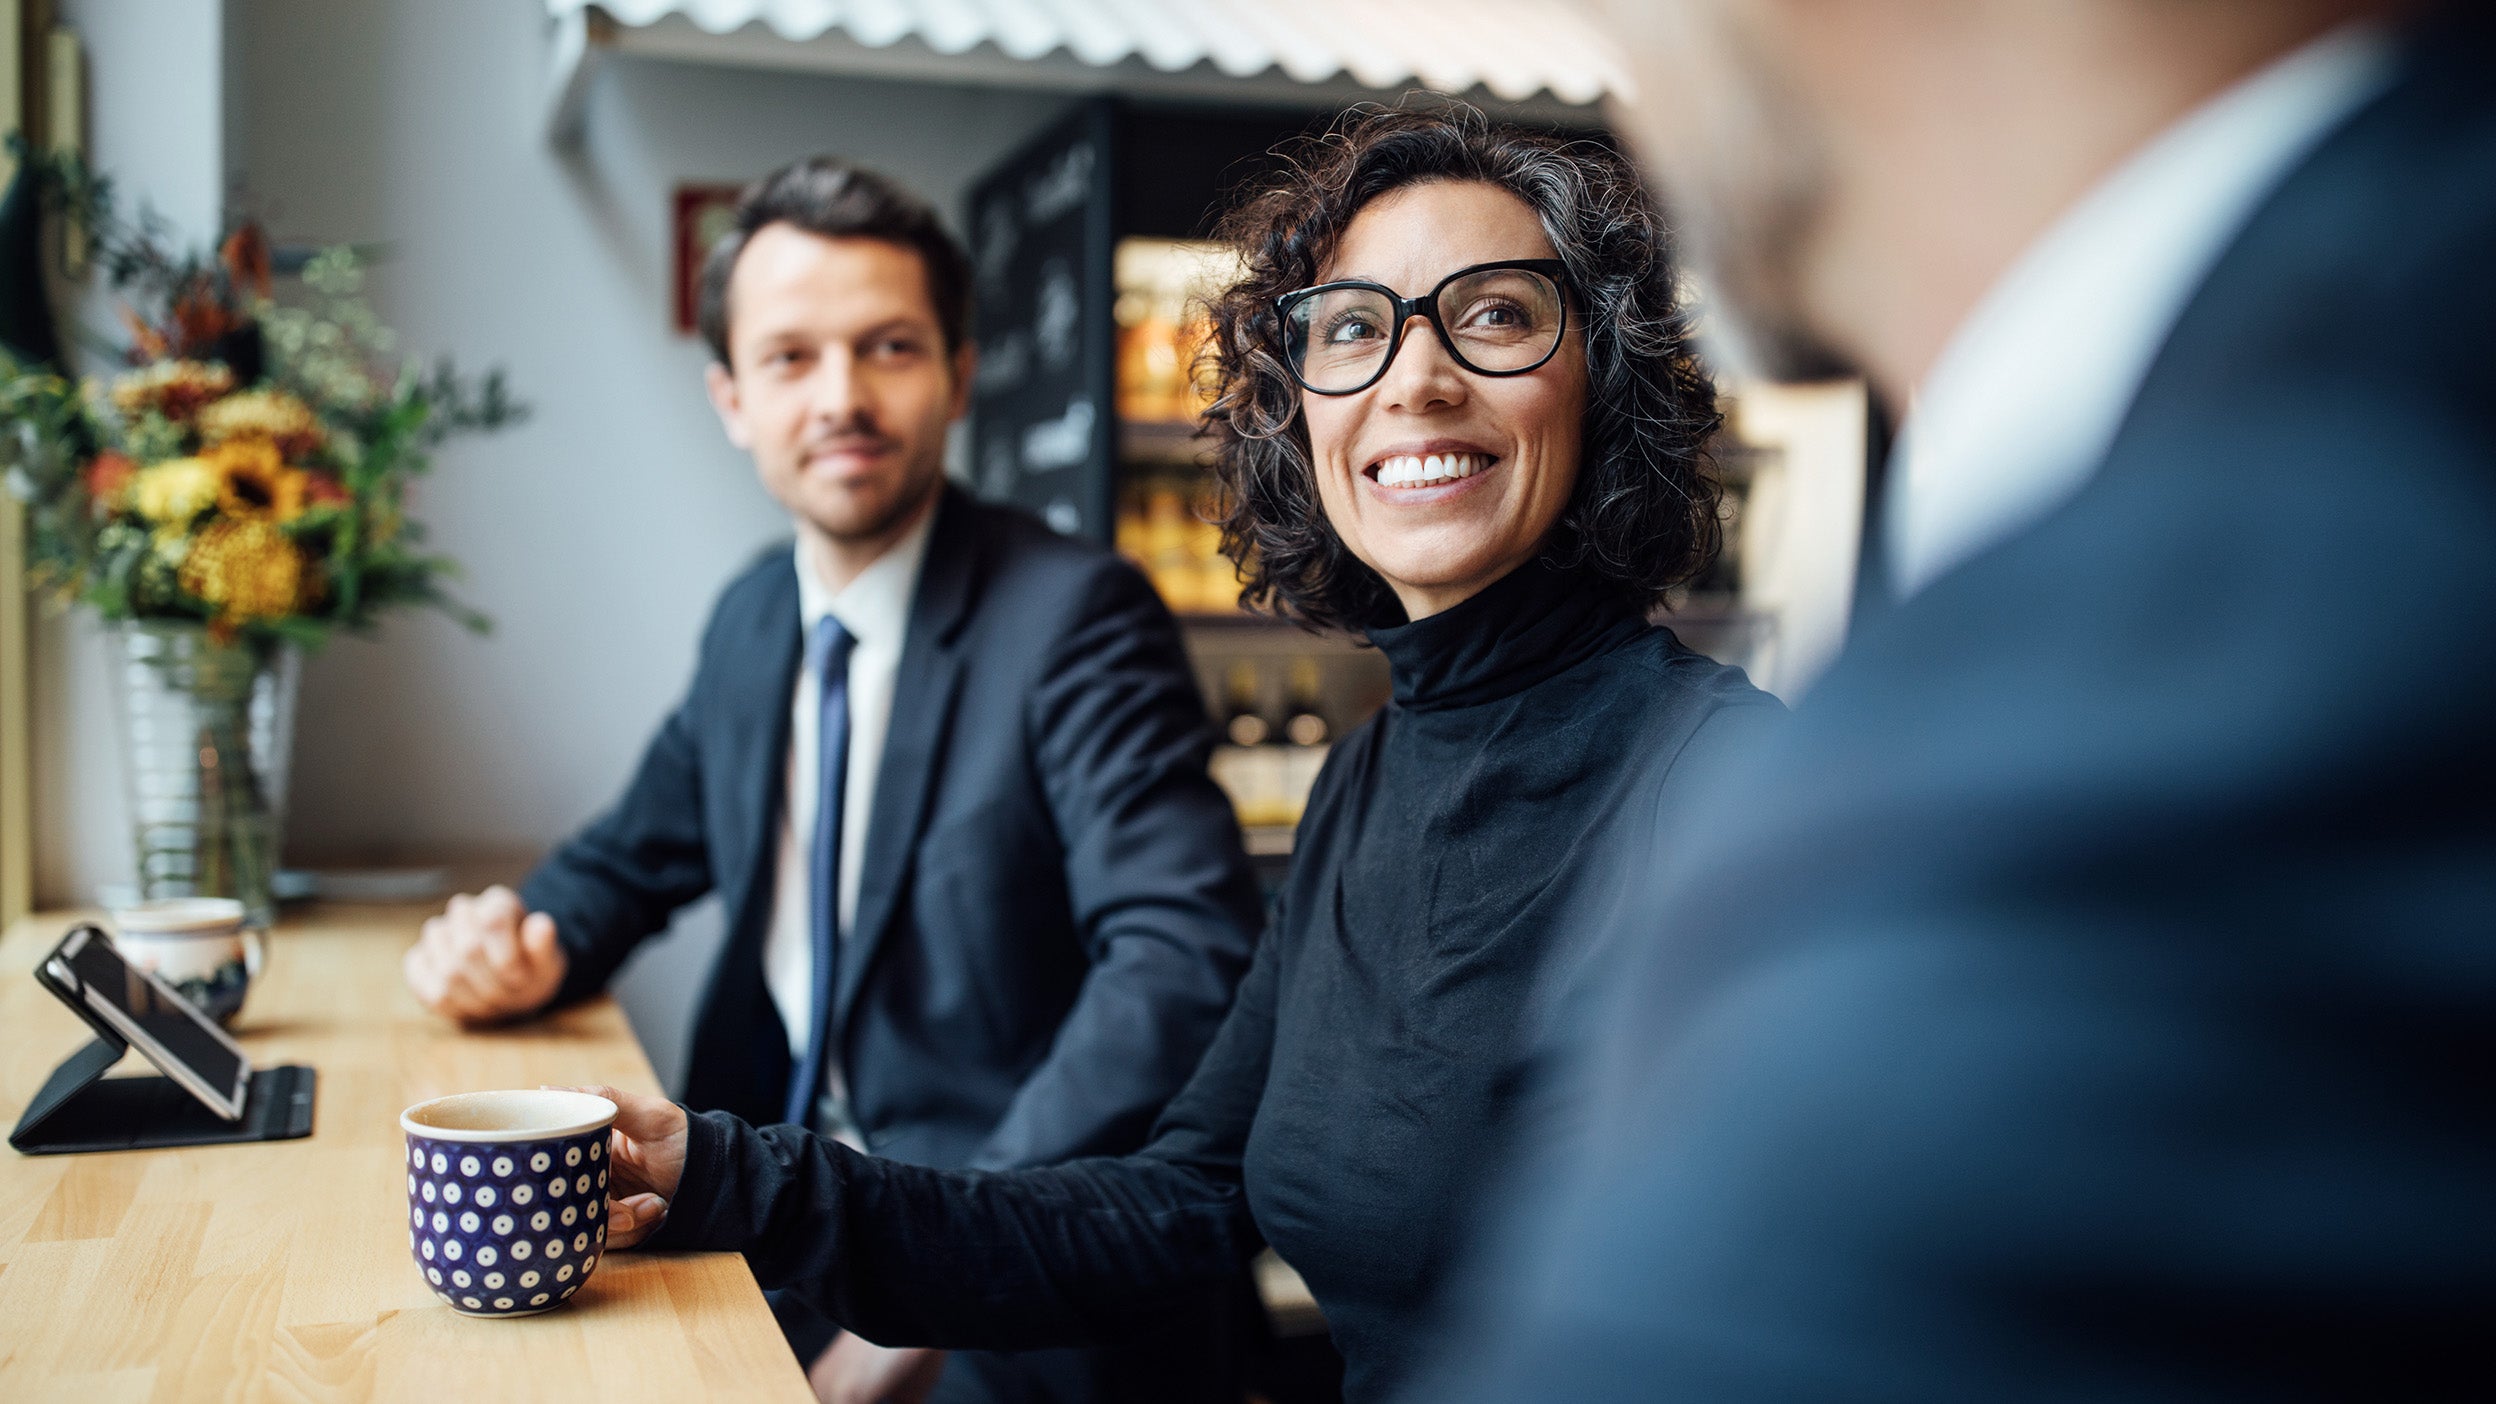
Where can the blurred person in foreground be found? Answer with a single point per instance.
(2094, 995)
(1458, 413)
(946, 769)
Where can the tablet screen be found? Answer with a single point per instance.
(175, 1027)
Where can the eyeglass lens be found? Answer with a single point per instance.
(1498, 320)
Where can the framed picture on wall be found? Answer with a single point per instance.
(703, 213)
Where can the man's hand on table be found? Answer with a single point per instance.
(486, 958)
(646, 1160)
(853, 1370)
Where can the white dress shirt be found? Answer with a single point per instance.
(2025, 400)
(875, 608)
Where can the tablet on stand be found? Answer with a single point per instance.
(208, 1093)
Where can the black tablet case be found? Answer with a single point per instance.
(76, 1111)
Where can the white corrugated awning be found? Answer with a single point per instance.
(1536, 52)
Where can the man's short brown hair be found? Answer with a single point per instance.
(830, 197)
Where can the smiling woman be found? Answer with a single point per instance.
(1557, 369)
(1459, 415)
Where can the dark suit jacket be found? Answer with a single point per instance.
(1054, 909)
(2094, 994)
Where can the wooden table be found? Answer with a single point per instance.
(280, 1270)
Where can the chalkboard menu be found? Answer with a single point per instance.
(1043, 427)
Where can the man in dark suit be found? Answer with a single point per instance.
(2092, 994)
(945, 768)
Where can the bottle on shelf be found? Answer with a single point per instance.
(1302, 752)
(1304, 718)
(1243, 722)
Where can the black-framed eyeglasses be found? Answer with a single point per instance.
(1503, 318)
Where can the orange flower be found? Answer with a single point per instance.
(253, 481)
(246, 257)
(244, 570)
(269, 414)
(174, 389)
(322, 490)
(108, 477)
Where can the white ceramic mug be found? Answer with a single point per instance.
(195, 944)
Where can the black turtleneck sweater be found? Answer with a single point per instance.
(1368, 1078)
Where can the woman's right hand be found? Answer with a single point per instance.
(646, 1159)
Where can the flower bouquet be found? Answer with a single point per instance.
(235, 495)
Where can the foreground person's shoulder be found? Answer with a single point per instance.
(1691, 678)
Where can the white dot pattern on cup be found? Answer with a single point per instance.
(468, 1209)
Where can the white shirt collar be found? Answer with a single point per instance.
(2026, 398)
(875, 605)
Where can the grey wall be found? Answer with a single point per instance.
(597, 533)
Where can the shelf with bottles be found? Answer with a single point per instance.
(1278, 715)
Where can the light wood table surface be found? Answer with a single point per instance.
(280, 1270)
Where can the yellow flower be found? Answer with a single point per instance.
(252, 481)
(174, 491)
(273, 415)
(244, 569)
(174, 389)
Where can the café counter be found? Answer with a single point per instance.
(280, 1270)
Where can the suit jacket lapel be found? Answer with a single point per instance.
(756, 729)
(923, 697)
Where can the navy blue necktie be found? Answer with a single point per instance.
(827, 657)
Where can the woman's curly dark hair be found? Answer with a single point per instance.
(1643, 517)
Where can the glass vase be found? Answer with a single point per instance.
(206, 730)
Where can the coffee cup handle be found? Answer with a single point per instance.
(255, 954)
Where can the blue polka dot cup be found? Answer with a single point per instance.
(507, 1197)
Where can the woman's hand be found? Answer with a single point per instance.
(646, 1159)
